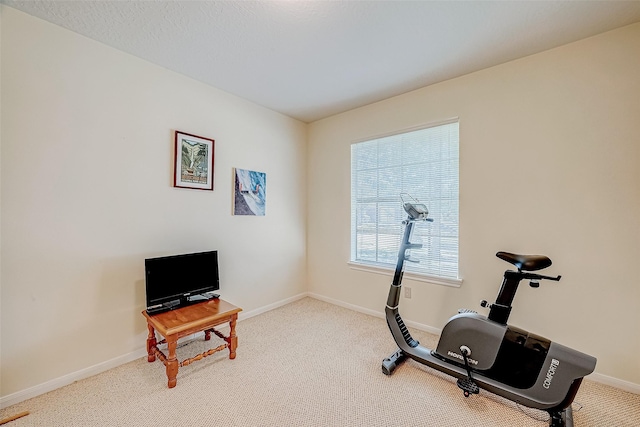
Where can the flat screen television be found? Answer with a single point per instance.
(178, 280)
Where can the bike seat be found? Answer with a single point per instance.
(525, 262)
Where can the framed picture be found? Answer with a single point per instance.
(193, 167)
(250, 195)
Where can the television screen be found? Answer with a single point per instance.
(172, 279)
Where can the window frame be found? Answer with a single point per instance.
(385, 268)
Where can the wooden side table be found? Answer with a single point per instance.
(182, 322)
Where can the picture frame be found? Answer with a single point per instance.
(193, 162)
(250, 192)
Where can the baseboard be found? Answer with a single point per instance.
(615, 382)
(595, 377)
(380, 314)
(20, 396)
(247, 315)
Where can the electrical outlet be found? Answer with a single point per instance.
(407, 292)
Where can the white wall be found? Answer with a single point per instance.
(86, 174)
(549, 164)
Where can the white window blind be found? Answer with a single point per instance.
(424, 164)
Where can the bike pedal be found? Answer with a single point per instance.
(468, 386)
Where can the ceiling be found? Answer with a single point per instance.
(314, 59)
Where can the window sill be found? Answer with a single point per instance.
(444, 281)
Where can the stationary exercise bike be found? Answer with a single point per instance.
(484, 352)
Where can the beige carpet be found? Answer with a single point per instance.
(305, 364)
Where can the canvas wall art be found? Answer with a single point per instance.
(250, 195)
(193, 167)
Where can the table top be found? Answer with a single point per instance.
(202, 313)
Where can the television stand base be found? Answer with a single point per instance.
(179, 303)
(201, 297)
(166, 306)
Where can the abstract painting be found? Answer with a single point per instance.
(250, 195)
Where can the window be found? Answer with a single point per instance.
(422, 163)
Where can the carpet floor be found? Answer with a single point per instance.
(308, 363)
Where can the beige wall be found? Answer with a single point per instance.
(86, 173)
(549, 163)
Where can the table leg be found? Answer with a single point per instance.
(172, 361)
(233, 339)
(151, 344)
